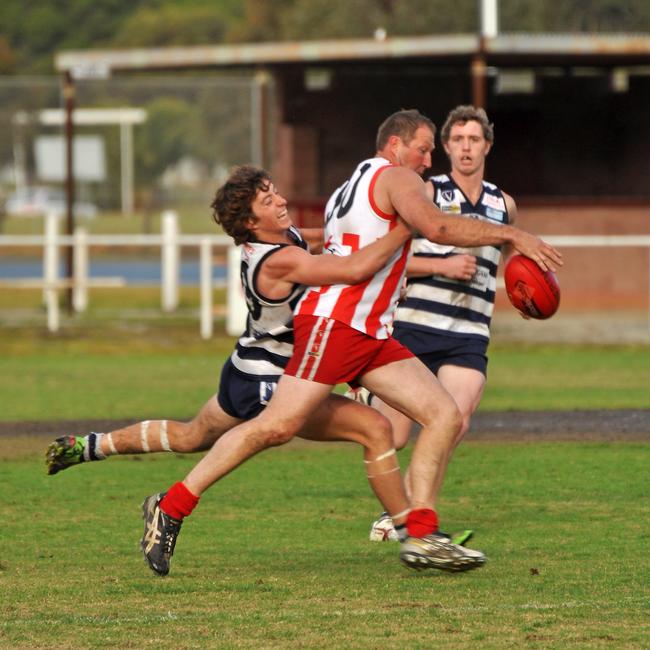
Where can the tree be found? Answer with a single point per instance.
(168, 134)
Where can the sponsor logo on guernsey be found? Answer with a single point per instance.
(494, 214)
(452, 208)
(494, 201)
(480, 280)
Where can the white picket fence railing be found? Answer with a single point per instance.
(169, 241)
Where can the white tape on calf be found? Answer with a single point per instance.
(390, 452)
(164, 440)
(144, 427)
(388, 471)
(111, 445)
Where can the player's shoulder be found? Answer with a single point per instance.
(284, 258)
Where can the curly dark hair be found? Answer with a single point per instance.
(462, 115)
(404, 124)
(232, 204)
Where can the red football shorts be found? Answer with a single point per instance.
(330, 352)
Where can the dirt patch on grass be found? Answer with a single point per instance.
(605, 425)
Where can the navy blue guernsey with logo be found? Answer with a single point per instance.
(456, 308)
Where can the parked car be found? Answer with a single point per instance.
(36, 201)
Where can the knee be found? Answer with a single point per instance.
(454, 417)
(185, 445)
(401, 438)
(445, 414)
(378, 433)
(190, 437)
(464, 427)
(277, 434)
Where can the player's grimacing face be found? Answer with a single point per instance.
(467, 147)
(416, 155)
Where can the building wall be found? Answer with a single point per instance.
(573, 137)
(574, 156)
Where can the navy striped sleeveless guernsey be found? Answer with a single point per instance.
(443, 306)
(266, 346)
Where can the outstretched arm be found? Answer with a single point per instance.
(406, 193)
(292, 264)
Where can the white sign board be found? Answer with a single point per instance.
(89, 158)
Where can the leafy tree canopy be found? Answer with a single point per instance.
(32, 31)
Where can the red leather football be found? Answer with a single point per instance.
(531, 290)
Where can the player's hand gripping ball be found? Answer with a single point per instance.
(533, 292)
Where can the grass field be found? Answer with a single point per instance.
(101, 367)
(276, 556)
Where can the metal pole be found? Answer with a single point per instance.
(259, 109)
(69, 97)
(489, 18)
(479, 80)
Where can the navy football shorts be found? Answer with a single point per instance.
(436, 350)
(241, 397)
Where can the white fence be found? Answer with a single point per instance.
(169, 241)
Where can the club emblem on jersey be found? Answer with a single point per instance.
(448, 195)
(267, 388)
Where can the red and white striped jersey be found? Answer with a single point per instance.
(353, 220)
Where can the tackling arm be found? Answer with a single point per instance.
(406, 193)
(292, 264)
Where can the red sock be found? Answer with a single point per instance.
(179, 501)
(421, 522)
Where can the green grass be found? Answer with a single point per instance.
(103, 364)
(276, 555)
(531, 377)
(192, 219)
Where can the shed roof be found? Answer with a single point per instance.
(508, 49)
